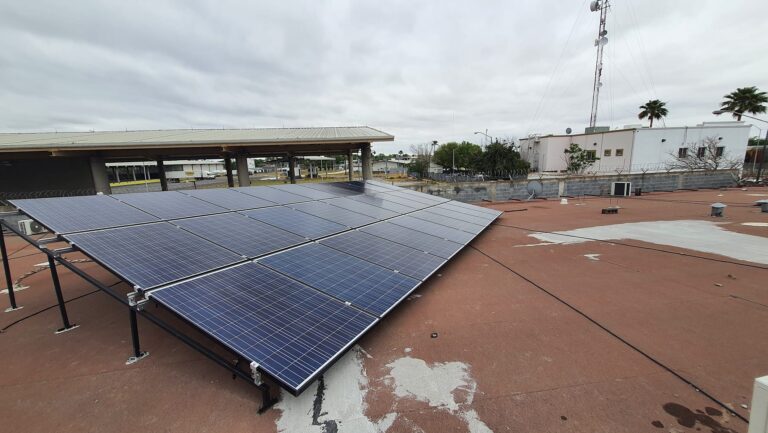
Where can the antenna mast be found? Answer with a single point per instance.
(601, 6)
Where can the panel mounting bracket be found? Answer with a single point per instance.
(137, 303)
(256, 374)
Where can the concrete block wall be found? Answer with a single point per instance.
(578, 186)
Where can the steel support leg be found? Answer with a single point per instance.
(59, 296)
(7, 271)
(137, 353)
(267, 401)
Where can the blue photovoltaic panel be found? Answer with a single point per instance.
(169, 204)
(314, 194)
(451, 212)
(406, 201)
(73, 214)
(363, 208)
(339, 189)
(408, 261)
(292, 331)
(433, 229)
(272, 194)
(492, 213)
(229, 199)
(304, 224)
(333, 213)
(363, 284)
(382, 201)
(373, 186)
(448, 221)
(152, 254)
(414, 239)
(419, 196)
(241, 234)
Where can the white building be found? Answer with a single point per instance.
(174, 170)
(633, 148)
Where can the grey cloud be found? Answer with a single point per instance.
(419, 70)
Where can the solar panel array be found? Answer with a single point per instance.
(288, 276)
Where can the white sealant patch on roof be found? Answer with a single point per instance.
(697, 235)
(755, 224)
(339, 405)
(445, 386)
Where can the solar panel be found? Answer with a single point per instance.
(371, 186)
(241, 234)
(72, 214)
(414, 239)
(307, 192)
(152, 254)
(229, 199)
(448, 221)
(429, 198)
(473, 209)
(169, 204)
(339, 189)
(292, 331)
(406, 201)
(408, 261)
(272, 194)
(363, 208)
(423, 199)
(333, 213)
(382, 201)
(433, 229)
(457, 213)
(350, 279)
(309, 226)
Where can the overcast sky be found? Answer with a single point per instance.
(420, 70)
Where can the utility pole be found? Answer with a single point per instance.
(601, 6)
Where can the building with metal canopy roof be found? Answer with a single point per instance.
(70, 162)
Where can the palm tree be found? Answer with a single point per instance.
(653, 109)
(745, 100)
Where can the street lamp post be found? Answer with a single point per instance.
(486, 135)
(765, 142)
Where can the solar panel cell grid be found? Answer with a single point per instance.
(314, 194)
(383, 202)
(414, 239)
(72, 214)
(169, 204)
(451, 222)
(241, 234)
(433, 229)
(339, 189)
(272, 194)
(229, 199)
(408, 261)
(363, 208)
(289, 329)
(300, 223)
(152, 254)
(363, 284)
(333, 213)
(454, 214)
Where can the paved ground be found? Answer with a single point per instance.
(530, 337)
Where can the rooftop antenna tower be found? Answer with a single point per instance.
(602, 7)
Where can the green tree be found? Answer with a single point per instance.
(466, 154)
(501, 157)
(578, 159)
(745, 100)
(653, 109)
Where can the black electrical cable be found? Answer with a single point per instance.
(613, 334)
(749, 265)
(25, 255)
(51, 307)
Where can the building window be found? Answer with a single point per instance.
(591, 155)
(174, 167)
(682, 152)
(619, 152)
(607, 152)
(720, 151)
(700, 152)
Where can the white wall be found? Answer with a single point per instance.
(650, 152)
(611, 142)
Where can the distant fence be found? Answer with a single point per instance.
(576, 186)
